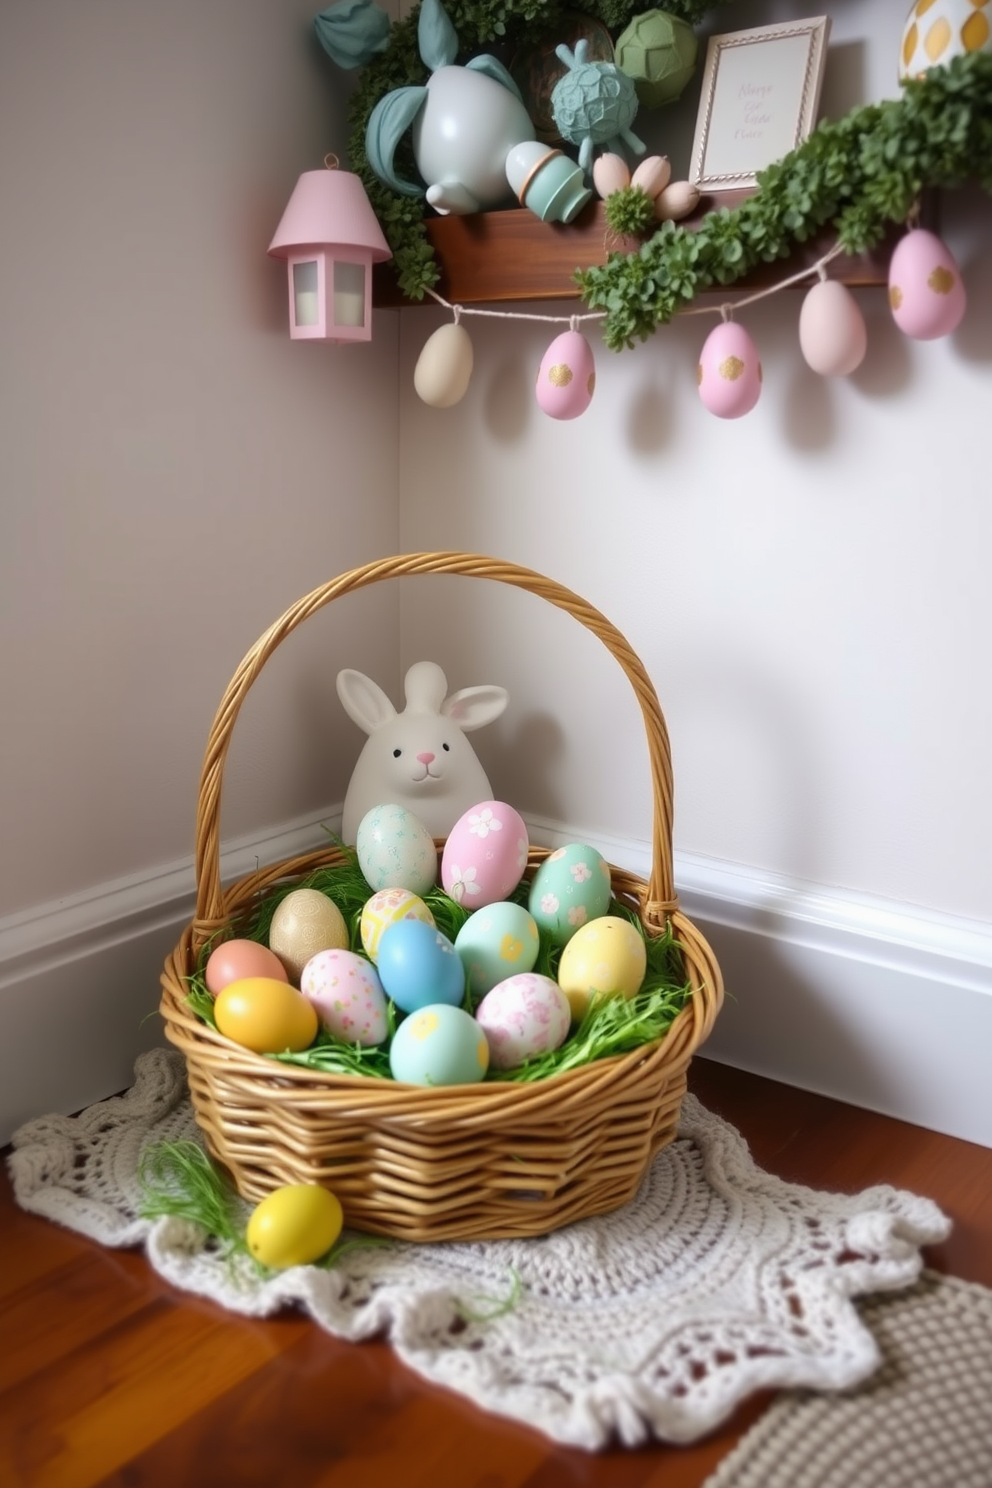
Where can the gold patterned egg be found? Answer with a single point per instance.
(938, 30)
(567, 377)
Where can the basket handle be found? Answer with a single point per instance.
(660, 900)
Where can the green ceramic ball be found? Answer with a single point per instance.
(658, 53)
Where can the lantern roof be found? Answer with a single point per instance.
(329, 209)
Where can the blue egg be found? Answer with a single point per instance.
(418, 965)
(439, 1045)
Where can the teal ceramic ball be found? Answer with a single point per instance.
(658, 53)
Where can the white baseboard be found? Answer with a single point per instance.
(880, 1004)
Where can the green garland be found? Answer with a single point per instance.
(480, 25)
(857, 175)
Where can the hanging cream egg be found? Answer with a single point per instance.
(444, 367)
(567, 376)
(832, 333)
(729, 371)
(926, 295)
(937, 30)
(610, 173)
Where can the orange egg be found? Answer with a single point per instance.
(266, 1015)
(235, 959)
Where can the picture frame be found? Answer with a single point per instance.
(759, 100)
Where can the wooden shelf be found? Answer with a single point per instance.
(490, 257)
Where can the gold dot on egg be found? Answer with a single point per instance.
(909, 45)
(560, 375)
(731, 368)
(761, 374)
(895, 296)
(591, 384)
(922, 6)
(941, 280)
(937, 39)
(699, 375)
(975, 33)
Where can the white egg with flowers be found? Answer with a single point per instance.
(523, 1016)
(395, 850)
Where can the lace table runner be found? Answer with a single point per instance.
(715, 1281)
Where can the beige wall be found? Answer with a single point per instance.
(174, 471)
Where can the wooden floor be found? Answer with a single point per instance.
(109, 1376)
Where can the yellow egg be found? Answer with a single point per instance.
(265, 1015)
(444, 367)
(306, 922)
(294, 1225)
(604, 958)
(386, 908)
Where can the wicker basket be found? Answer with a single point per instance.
(495, 1160)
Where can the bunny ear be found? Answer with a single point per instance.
(472, 707)
(364, 700)
(388, 122)
(425, 686)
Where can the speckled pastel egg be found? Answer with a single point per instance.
(525, 1015)
(937, 30)
(419, 965)
(386, 908)
(926, 295)
(729, 371)
(495, 943)
(485, 855)
(395, 850)
(348, 996)
(305, 922)
(439, 1045)
(234, 959)
(570, 888)
(566, 379)
(605, 958)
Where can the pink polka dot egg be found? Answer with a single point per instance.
(926, 295)
(567, 377)
(729, 371)
(347, 995)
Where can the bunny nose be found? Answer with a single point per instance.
(425, 759)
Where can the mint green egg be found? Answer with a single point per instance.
(570, 888)
(439, 1045)
(497, 942)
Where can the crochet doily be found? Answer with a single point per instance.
(715, 1281)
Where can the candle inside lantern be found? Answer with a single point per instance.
(305, 308)
(349, 294)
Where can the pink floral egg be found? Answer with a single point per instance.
(485, 855)
(729, 371)
(527, 1014)
(567, 377)
(926, 295)
(347, 994)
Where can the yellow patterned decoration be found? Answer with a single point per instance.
(937, 30)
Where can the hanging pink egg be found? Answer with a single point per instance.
(567, 377)
(729, 371)
(926, 294)
(833, 337)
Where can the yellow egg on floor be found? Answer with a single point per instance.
(294, 1225)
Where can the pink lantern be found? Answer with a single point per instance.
(330, 238)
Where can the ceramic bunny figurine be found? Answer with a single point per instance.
(419, 758)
